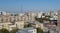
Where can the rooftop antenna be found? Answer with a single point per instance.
(21, 6)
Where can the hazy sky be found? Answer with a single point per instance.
(29, 5)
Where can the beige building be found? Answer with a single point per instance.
(51, 13)
(25, 18)
(12, 27)
(19, 24)
(12, 18)
(38, 25)
(9, 26)
(4, 18)
(31, 15)
(8, 19)
(5, 25)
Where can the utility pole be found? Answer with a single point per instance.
(21, 8)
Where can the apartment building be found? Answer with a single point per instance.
(36, 24)
(31, 15)
(19, 24)
(20, 17)
(5, 25)
(9, 26)
(51, 13)
(39, 14)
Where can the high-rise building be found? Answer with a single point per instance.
(31, 16)
(51, 13)
(39, 14)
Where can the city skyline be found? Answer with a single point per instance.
(18, 6)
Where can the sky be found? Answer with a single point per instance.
(18, 6)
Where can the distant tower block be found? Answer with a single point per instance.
(51, 13)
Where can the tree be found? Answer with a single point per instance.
(14, 30)
(3, 30)
(39, 30)
(28, 25)
(25, 25)
(39, 19)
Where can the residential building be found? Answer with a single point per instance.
(47, 14)
(36, 24)
(39, 14)
(31, 15)
(2, 13)
(51, 13)
(11, 27)
(5, 25)
(19, 24)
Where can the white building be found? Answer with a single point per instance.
(54, 18)
(19, 24)
(47, 14)
(27, 30)
(21, 14)
(2, 13)
(39, 14)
